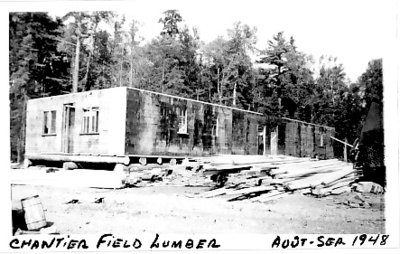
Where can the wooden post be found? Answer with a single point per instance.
(345, 150)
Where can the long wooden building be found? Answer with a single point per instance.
(120, 124)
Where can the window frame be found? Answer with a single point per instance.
(183, 124)
(215, 128)
(49, 126)
(90, 121)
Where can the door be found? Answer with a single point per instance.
(68, 128)
(274, 143)
(261, 140)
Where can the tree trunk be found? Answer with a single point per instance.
(120, 74)
(131, 73)
(76, 66)
(162, 78)
(87, 70)
(234, 95)
(21, 138)
(218, 87)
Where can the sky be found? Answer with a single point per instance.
(353, 31)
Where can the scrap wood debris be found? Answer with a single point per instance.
(185, 174)
(260, 180)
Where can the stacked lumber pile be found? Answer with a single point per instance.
(258, 179)
(278, 178)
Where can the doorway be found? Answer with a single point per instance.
(68, 128)
(274, 142)
(261, 140)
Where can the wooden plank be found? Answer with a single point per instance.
(309, 171)
(266, 195)
(317, 179)
(263, 180)
(343, 142)
(225, 170)
(282, 180)
(350, 177)
(287, 168)
(341, 190)
(337, 175)
(265, 198)
(325, 191)
(214, 193)
(306, 191)
(247, 191)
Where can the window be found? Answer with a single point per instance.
(183, 129)
(90, 122)
(321, 140)
(49, 122)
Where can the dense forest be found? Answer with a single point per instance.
(93, 50)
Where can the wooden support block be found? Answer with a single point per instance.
(143, 161)
(27, 163)
(172, 162)
(69, 165)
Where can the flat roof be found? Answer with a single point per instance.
(73, 94)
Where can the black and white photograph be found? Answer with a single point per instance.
(201, 119)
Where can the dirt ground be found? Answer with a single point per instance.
(173, 209)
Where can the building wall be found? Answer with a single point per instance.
(138, 122)
(111, 134)
(304, 139)
(153, 123)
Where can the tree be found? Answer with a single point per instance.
(36, 69)
(139, 68)
(167, 77)
(238, 71)
(170, 20)
(230, 72)
(213, 62)
(330, 88)
(189, 62)
(286, 79)
(174, 68)
(371, 82)
(79, 41)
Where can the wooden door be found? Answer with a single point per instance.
(68, 128)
